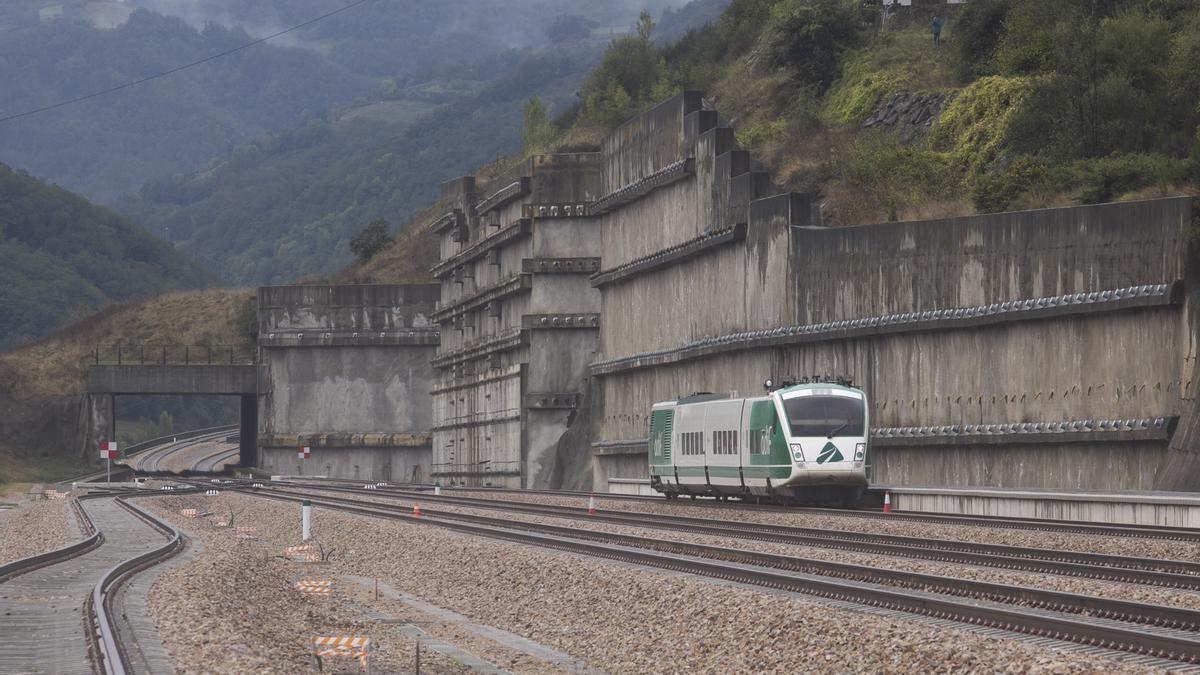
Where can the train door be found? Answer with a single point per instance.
(767, 459)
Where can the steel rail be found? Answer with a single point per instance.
(1179, 574)
(208, 463)
(110, 656)
(104, 646)
(1040, 524)
(24, 565)
(771, 571)
(137, 449)
(148, 461)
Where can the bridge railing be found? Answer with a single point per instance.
(172, 355)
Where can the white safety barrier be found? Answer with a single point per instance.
(302, 553)
(210, 493)
(315, 586)
(188, 513)
(352, 646)
(368, 486)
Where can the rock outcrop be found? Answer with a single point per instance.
(910, 114)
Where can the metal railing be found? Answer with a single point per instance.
(173, 355)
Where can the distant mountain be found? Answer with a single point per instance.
(286, 205)
(110, 145)
(65, 257)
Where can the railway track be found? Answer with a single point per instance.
(1134, 628)
(1180, 574)
(149, 461)
(59, 614)
(1034, 524)
(208, 463)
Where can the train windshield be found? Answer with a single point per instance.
(824, 415)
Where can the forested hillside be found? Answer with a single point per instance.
(286, 205)
(111, 144)
(1024, 103)
(108, 146)
(64, 258)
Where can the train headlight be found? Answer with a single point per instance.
(796, 453)
(860, 451)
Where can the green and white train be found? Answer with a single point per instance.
(805, 442)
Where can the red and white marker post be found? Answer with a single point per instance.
(887, 501)
(108, 452)
(592, 504)
(303, 453)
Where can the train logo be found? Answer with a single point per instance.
(830, 453)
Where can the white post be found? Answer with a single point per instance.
(306, 519)
(437, 490)
(108, 468)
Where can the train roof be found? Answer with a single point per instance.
(708, 397)
(819, 385)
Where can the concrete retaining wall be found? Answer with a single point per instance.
(346, 371)
(399, 465)
(690, 302)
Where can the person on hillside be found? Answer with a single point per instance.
(937, 31)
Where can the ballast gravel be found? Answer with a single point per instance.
(616, 617)
(1126, 546)
(35, 527)
(233, 609)
(1091, 587)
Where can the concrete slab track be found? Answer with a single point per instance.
(41, 613)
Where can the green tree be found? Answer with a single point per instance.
(536, 132)
(645, 25)
(630, 74)
(807, 37)
(371, 240)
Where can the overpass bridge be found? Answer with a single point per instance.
(189, 370)
(343, 369)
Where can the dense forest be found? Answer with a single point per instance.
(64, 258)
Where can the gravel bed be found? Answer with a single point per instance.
(1124, 591)
(35, 527)
(614, 617)
(233, 608)
(1089, 543)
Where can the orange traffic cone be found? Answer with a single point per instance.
(592, 504)
(887, 501)
(416, 509)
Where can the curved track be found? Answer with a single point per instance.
(151, 460)
(58, 615)
(209, 463)
(1131, 627)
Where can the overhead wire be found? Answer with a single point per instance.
(172, 71)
